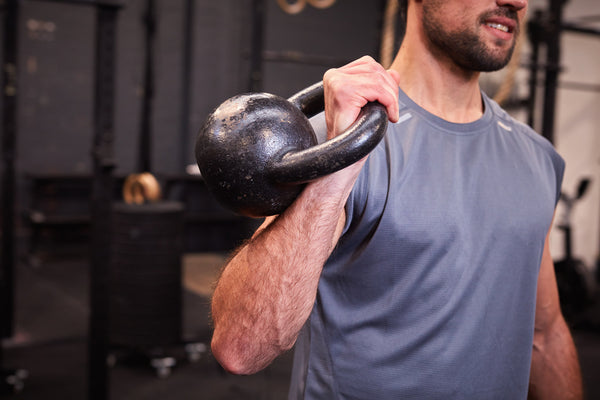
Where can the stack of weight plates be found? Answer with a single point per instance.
(145, 294)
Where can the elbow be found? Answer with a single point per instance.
(228, 359)
(229, 355)
(553, 329)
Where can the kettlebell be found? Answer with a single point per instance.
(257, 151)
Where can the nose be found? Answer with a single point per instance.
(514, 4)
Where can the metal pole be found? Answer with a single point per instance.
(101, 207)
(535, 34)
(145, 149)
(553, 35)
(256, 53)
(186, 81)
(9, 136)
(568, 27)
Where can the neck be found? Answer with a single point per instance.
(436, 83)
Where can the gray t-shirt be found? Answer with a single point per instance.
(430, 293)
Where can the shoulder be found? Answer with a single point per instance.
(538, 150)
(524, 132)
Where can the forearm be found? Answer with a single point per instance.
(268, 289)
(555, 372)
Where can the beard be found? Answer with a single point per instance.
(464, 46)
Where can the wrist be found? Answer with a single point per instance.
(333, 189)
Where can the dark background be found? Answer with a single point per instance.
(54, 144)
(55, 100)
(56, 72)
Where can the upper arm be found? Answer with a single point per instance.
(547, 303)
(555, 371)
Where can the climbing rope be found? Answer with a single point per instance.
(388, 34)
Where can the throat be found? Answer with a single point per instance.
(462, 115)
(456, 106)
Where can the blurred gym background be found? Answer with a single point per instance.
(105, 299)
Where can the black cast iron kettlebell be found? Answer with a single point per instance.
(257, 151)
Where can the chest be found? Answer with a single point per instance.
(468, 188)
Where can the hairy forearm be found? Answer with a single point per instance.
(268, 289)
(555, 372)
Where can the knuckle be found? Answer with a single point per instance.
(327, 75)
(330, 78)
(368, 59)
(335, 87)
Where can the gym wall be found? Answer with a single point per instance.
(56, 75)
(56, 55)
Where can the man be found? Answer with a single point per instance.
(422, 271)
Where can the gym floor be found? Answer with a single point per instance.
(50, 342)
(51, 316)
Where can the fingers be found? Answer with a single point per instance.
(351, 87)
(365, 80)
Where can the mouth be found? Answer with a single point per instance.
(503, 21)
(499, 26)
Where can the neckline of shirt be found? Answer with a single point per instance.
(455, 128)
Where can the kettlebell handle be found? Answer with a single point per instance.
(310, 100)
(335, 154)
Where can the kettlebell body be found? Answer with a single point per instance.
(257, 151)
(237, 146)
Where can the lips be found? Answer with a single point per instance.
(502, 23)
(502, 19)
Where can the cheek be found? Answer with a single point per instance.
(442, 16)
